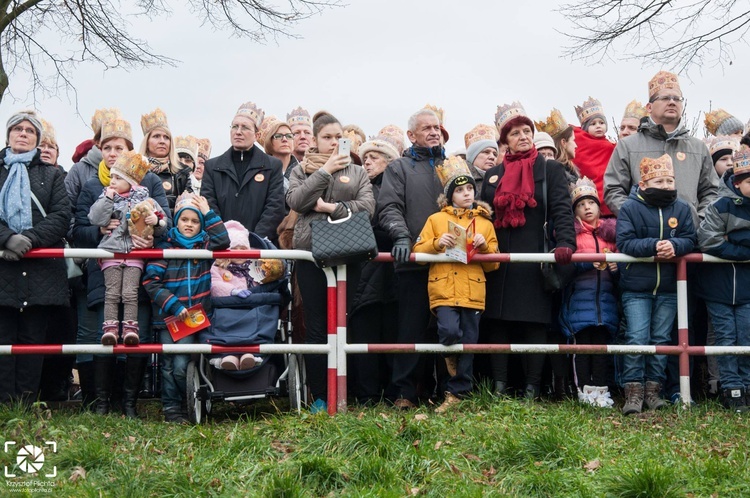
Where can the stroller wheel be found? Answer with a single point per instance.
(295, 382)
(195, 405)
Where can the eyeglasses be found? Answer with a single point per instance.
(667, 98)
(279, 136)
(21, 129)
(242, 128)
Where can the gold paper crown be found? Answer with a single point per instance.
(661, 81)
(554, 125)
(741, 161)
(714, 119)
(153, 120)
(268, 124)
(356, 135)
(101, 116)
(506, 112)
(131, 166)
(451, 168)
(723, 142)
(584, 187)
(252, 111)
(635, 110)
(299, 116)
(480, 132)
(590, 108)
(116, 128)
(204, 148)
(437, 110)
(187, 145)
(655, 168)
(48, 133)
(397, 137)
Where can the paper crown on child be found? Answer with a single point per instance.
(590, 109)
(730, 144)
(154, 119)
(720, 122)
(741, 160)
(185, 201)
(661, 81)
(453, 172)
(116, 128)
(101, 116)
(506, 112)
(656, 168)
(382, 143)
(48, 133)
(635, 110)
(554, 125)
(204, 148)
(187, 145)
(299, 116)
(396, 136)
(131, 166)
(584, 188)
(252, 111)
(269, 123)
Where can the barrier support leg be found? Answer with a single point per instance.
(341, 338)
(682, 332)
(331, 324)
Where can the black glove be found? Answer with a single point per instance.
(19, 244)
(401, 250)
(9, 255)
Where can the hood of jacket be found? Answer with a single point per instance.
(607, 228)
(419, 153)
(727, 188)
(657, 131)
(93, 157)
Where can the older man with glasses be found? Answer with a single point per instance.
(244, 183)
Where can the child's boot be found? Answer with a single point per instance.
(450, 400)
(633, 398)
(652, 396)
(130, 333)
(110, 329)
(734, 399)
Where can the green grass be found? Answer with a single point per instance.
(487, 447)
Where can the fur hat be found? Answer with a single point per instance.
(554, 125)
(454, 172)
(720, 122)
(238, 234)
(31, 117)
(662, 81)
(383, 144)
(635, 110)
(479, 138)
(153, 120)
(656, 168)
(590, 109)
(542, 140)
(116, 128)
(584, 189)
(131, 166)
(187, 145)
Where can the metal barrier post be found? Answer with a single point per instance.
(682, 332)
(331, 324)
(341, 338)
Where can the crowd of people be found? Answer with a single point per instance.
(519, 186)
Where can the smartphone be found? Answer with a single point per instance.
(345, 147)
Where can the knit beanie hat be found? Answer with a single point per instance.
(452, 173)
(239, 236)
(384, 144)
(720, 122)
(544, 141)
(29, 116)
(480, 137)
(131, 166)
(183, 202)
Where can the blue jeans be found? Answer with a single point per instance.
(732, 328)
(174, 372)
(649, 322)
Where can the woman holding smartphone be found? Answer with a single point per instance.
(326, 184)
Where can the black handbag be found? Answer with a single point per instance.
(556, 277)
(345, 241)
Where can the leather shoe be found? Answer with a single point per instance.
(404, 404)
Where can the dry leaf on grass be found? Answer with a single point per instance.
(438, 445)
(78, 473)
(593, 465)
(417, 443)
(420, 416)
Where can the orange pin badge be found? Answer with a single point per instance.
(345, 179)
(259, 177)
(672, 222)
(681, 156)
(493, 179)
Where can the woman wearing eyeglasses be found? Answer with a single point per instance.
(245, 183)
(279, 143)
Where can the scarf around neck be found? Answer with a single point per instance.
(158, 166)
(242, 270)
(313, 161)
(516, 189)
(187, 242)
(104, 174)
(15, 196)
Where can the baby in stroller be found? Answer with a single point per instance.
(247, 297)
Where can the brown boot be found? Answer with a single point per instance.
(633, 398)
(450, 401)
(130, 333)
(653, 397)
(110, 329)
(451, 364)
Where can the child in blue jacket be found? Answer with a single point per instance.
(174, 285)
(651, 223)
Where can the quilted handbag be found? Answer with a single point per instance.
(344, 241)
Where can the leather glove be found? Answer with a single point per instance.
(9, 255)
(401, 250)
(241, 293)
(563, 255)
(19, 244)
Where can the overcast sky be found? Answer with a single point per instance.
(371, 63)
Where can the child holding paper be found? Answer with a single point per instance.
(457, 290)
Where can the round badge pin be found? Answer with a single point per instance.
(493, 179)
(227, 276)
(345, 179)
(672, 222)
(259, 177)
(681, 156)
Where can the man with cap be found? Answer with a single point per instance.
(244, 183)
(408, 196)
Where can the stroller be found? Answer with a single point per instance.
(245, 321)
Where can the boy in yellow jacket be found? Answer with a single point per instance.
(457, 290)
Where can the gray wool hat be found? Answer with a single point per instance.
(730, 126)
(19, 117)
(473, 150)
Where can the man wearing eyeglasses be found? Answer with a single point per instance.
(244, 183)
(663, 132)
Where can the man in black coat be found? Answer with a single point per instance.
(244, 183)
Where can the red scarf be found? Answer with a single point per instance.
(592, 157)
(516, 189)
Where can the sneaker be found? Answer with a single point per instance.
(319, 406)
(230, 362)
(247, 361)
(450, 401)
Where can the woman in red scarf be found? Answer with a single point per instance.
(519, 310)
